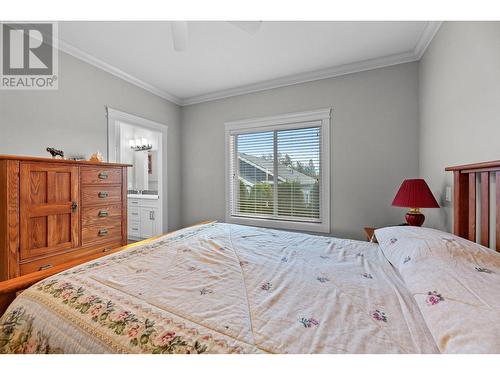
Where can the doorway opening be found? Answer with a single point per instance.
(140, 142)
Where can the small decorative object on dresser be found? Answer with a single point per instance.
(415, 194)
(96, 157)
(55, 153)
(77, 158)
(55, 211)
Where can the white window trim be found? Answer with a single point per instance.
(269, 123)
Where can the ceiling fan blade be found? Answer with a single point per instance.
(179, 35)
(250, 27)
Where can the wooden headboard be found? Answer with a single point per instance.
(469, 182)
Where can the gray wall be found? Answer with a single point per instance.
(373, 143)
(448, 101)
(459, 105)
(73, 119)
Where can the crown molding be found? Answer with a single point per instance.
(92, 60)
(428, 33)
(305, 77)
(426, 36)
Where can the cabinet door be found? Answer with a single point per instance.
(49, 202)
(146, 224)
(154, 222)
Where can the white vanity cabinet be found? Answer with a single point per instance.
(148, 222)
(144, 218)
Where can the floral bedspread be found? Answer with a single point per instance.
(221, 288)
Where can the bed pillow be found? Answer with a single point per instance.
(455, 282)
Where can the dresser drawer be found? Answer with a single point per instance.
(49, 262)
(97, 195)
(102, 215)
(101, 233)
(100, 176)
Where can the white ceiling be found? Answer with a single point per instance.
(222, 60)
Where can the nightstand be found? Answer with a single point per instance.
(370, 234)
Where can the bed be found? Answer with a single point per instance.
(223, 288)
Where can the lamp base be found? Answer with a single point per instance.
(414, 217)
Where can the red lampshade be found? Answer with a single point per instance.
(415, 193)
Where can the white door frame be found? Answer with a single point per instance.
(114, 117)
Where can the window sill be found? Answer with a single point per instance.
(280, 224)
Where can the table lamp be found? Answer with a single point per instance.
(415, 194)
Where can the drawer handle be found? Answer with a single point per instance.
(45, 267)
(134, 228)
(103, 194)
(134, 213)
(103, 175)
(103, 213)
(103, 232)
(106, 249)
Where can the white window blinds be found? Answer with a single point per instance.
(276, 174)
(278, 171)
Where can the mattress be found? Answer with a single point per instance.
(222, 288)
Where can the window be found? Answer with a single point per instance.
(278, 171)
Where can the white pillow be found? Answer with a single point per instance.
(455, 282)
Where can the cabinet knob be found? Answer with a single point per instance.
(103, 194)
(74, 206)
(103, 232)
(103, 175)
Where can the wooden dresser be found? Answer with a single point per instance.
(53, 211)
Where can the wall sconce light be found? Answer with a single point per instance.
(140, 144)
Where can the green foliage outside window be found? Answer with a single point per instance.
(258, 199)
